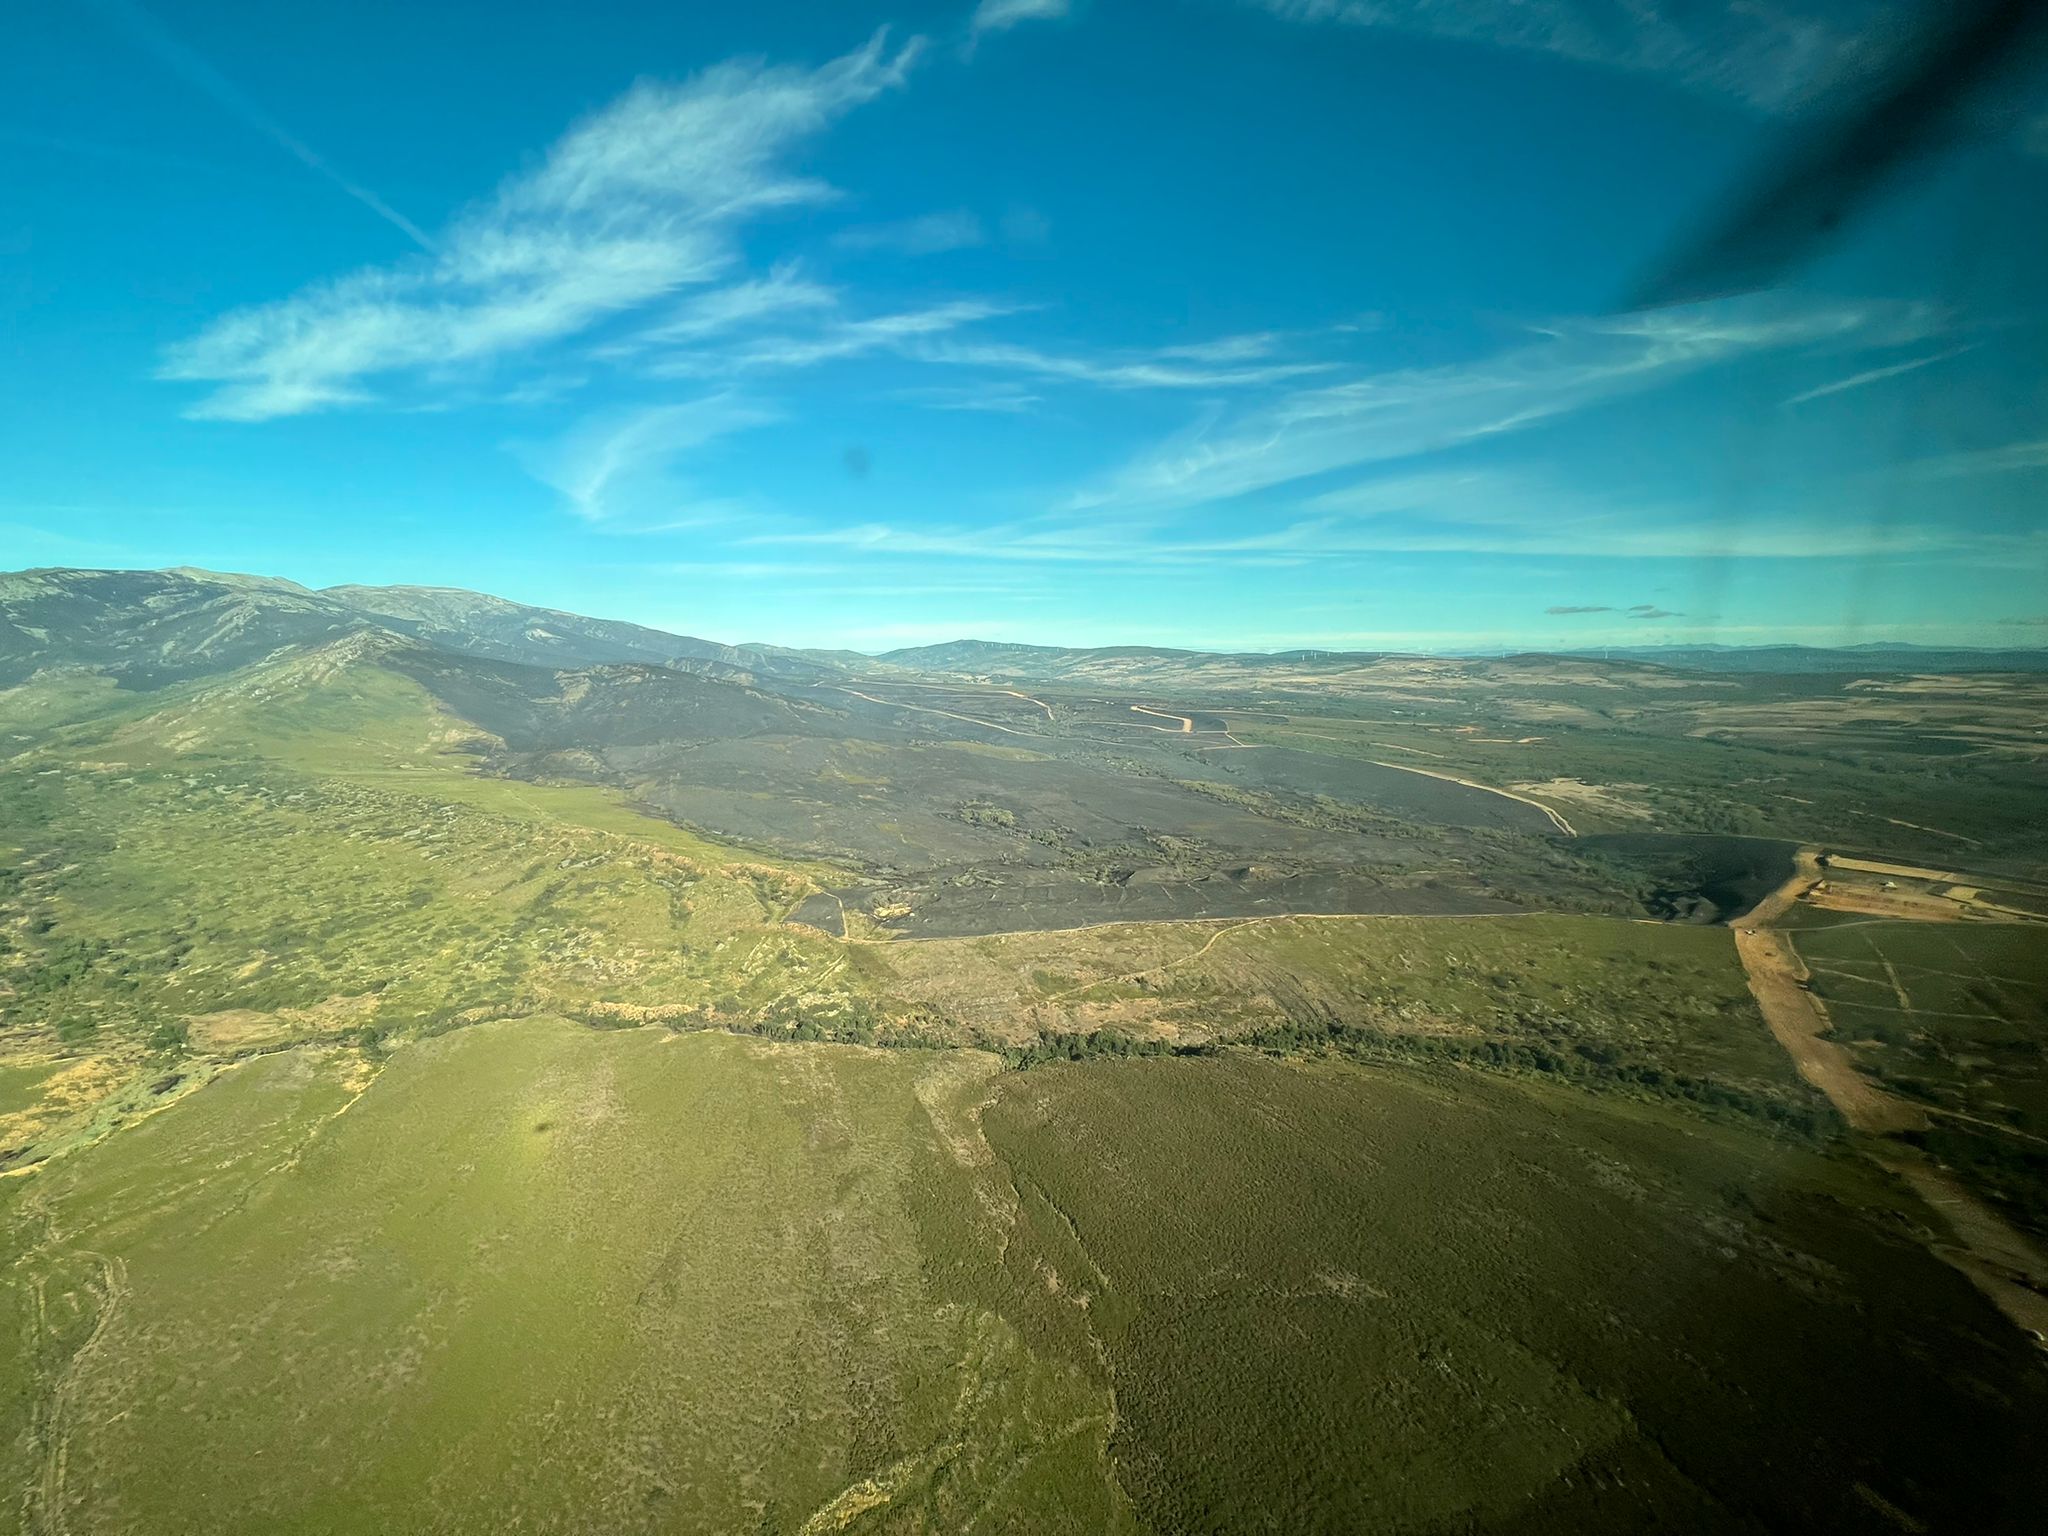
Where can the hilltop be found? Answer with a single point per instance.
(148, 628)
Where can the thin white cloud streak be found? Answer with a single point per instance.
(931, 234)
(1111, 373)
(995, 398)
(1319, 541)
(920, 335)
(637, 200)
(1874, 376)
(1228, 349)
(1430, 512)
(835, 343)
(784, 291)
(1409, 412)
(1001, 15)
(619, 469)
(182, 61)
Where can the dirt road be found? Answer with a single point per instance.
(1796, 1020)
(1556, 820)
(1187, 725)
(922, 709)
(1997, 1259)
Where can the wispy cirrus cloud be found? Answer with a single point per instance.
(930, 234)
(1407, 412)
(1001, 15)
(840, 340)
(1169, 368)
(997, 396)
(926, 335)
(1544, 524)
(1569, 608)
(620, 468)
(638, 200)
(782, 292)
(1241, 348)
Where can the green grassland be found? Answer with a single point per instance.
(535, 1276)
(1953, 1017)
(531, 1276)
(1426, 1301)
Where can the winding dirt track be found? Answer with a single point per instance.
(1997, 1259)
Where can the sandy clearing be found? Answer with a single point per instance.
(1904, 906)
(1902, 871)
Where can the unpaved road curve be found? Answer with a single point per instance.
(1997, 1259)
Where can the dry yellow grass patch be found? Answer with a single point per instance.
(239, 1029)
(74, 1090)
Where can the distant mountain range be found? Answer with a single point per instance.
(990, 658)
(1879, 656)
(150, 628)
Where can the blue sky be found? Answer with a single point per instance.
(1203, 322)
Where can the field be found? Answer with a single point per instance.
(1936, 767)
(727, 1284)
(1950, 1017)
